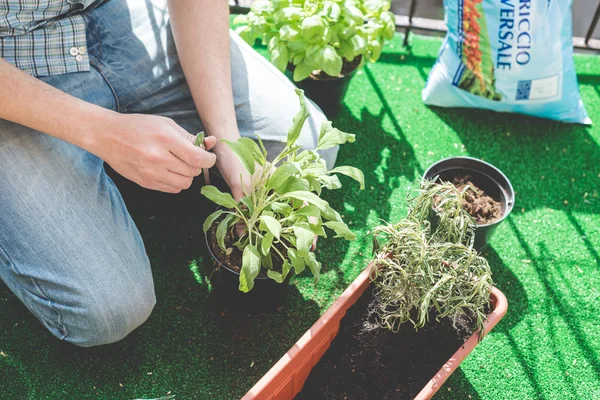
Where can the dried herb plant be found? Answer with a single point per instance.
(419, 269)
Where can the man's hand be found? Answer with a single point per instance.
(232, 169)
(153, 151)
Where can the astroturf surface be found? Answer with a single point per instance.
(545, 258)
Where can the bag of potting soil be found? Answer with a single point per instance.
(510, 56)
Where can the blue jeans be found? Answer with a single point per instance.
(68, 246)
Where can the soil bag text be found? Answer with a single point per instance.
(508, 56)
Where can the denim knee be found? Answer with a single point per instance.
(105, 322)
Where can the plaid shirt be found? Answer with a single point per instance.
(44, 37)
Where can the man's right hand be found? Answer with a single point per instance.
(152, 151)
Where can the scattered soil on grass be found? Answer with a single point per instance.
(233, 257)
(367, 362)
(483, 208)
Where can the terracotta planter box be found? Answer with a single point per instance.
(286, 378)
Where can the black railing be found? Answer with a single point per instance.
(409, 22)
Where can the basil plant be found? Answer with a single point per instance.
(316, 34)
(283, 212)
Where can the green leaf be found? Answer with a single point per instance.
(281, 174)
(304, 238)
(247, 34)
(359, 45)
(309, 211)
(280, 56)
(317, 228)
(341, 229)
(346, 50)
(313, 265)
(375, 49)
(199, 142)
(297, 58)
(313, 28)
(222, 230)
(240, 19)
(276, 276)
(302, 71)
(272, 225)
(265, 243)
(354, 13)
(352, 172)
(253, 148)
(331, 214)
(314, 184)
(310, 198)
(390, 24)
(218, 197)
(261, 145)
(243, 154)
(210, 219)
(330, 137)
(288, 33)
(297, 261)
(250, 268)
(266, 261)
(281, 208)
(247, 201)
(330, 61)
(297, 46)
(347, 32)
(299, 119)
(285, 269)
(292, 184)
(331, 182)
(332, 10)
(288, 14)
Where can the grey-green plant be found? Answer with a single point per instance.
(419, 269)
(283, 212)
(317, 34)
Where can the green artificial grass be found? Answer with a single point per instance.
(545, 258)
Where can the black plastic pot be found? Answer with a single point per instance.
(487, 177)
(328, 92)
(266, 295)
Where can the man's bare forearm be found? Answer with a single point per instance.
(28, 101)
(152, 151)
(201, 32)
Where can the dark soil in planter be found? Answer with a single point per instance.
(368, 362)
(233, 259)
(483, 208)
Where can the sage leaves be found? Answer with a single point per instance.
(250, 268)
(218, 197)
(284, 211)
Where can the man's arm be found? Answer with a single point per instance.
(152, 151)
(201, 32)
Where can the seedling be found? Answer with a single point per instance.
(284, 211)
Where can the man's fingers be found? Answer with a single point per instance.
(192, 155)
(176, 181)
(161, 187)
(179, 167)
(210, 142)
